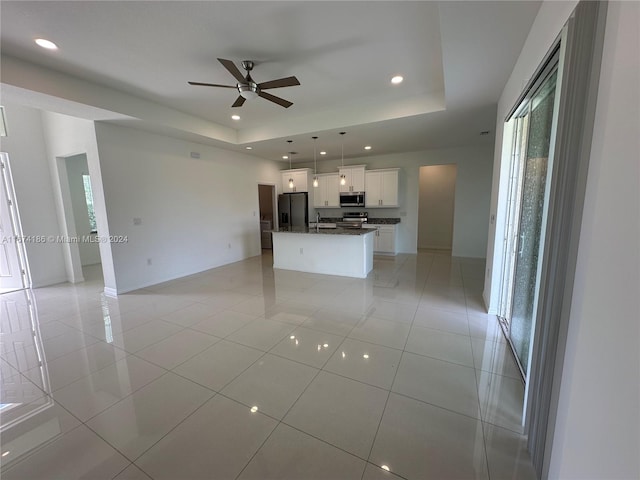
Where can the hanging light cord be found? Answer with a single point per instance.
(343, 177)
(315, 163)
(291, 185)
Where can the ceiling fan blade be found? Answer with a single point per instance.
(274, 99)
(281, 82)
(239, 101)
(233, 70)
(211, 85)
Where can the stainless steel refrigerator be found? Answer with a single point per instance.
(293, 209)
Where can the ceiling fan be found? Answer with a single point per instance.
(249, 89)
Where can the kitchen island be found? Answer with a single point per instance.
(347, 252)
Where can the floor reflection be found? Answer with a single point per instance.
(21, 398)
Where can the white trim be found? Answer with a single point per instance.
(110, 292)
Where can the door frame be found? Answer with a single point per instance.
(16, 224)
(274, 208)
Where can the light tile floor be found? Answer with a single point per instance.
(243, 372)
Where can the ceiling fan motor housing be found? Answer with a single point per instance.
(249, 90)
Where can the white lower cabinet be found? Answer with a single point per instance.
(385, 238)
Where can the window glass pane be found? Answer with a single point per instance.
(88, 195)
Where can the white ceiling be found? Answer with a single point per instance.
(455, 58)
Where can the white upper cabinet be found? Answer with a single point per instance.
(381, 188)
(301, 179)
(326, 194)
(354, 178)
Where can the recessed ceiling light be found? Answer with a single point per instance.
(368, 147)
(323, 153)
(397, 79)
(285, 157)
(249, 148)
(235, 117)
(384, 467)
(44, 43)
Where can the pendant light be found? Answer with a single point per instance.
(290, 174)
(343, 177)
(315, 164)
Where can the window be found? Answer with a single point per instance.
(88, 195)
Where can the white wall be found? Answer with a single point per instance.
(597, 432)
(191, 210)
(436, 206)
(67, 136)
(77, 167)
(473, 192)
(35, 197)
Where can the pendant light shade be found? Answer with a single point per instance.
(315, 164)
(343, 177)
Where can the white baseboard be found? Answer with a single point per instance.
(47, 282)
(110, 292)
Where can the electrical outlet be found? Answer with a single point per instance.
(301, 251)
(229, 245)
(137, 221)
(149, 262)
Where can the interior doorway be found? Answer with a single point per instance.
(83, 213)
(436, 205)
(78, 221)
(14, 268)
(267, 209)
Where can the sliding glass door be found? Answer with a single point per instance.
(532, 136)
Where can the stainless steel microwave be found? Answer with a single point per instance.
(352, 199)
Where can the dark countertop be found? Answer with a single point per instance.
(324, 231)
(383, 221)
(370, 221)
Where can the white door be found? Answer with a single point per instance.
(11, 273)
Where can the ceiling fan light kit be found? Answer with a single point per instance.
(248, 88)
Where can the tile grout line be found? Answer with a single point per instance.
(384, 409)
(292, 405)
